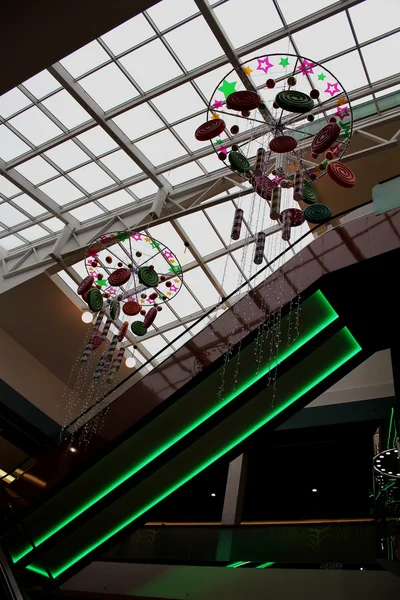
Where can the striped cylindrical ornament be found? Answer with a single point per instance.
(298, 186)
(275, 204)
(260, 163)
(89, 346)
(116, 365)
(260, 246)
(286, 226)
(237, 224)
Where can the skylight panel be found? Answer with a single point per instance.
(67, 155)
(201, 286)
(170, 238)
(191, 53)
(42, 84)
(186, 131)
(264, 19)
(282, 47)
(186, 305)
(54, 224)
(121, 165)
(144, 188)
(371, 18)
(11, 145)
(66, 109)
(349, 71)
(91, 177)
(139, 121)
(35, 126)
(85, 59)
(212, 163)
(380, 57)
(30, 206)
(161, 148)
(10, 216)
(33, 233)
(325, 38)
(36, 170)
(128, 35)
(293, 11)
(172, 333)
(168, 12)
(200, 232)
(86, 212)
(151, 65)
(116, 200)
(227, 274)
(209, 81)
(154, 345)
(61, 191)
(12, 101)
(97, 141)
(188, 104)
(7, 188)
(184, 173)
(222, 216)
(10, 242)
(109, 87)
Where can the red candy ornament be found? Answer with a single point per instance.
(119, 277)
(243, 101)
(324, 139)
(341, 174)
(209, 130)
(282, 144)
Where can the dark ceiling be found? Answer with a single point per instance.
(34, 35)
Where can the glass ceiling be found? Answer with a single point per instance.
(74, 139)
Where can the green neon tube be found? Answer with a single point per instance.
(237, 564)
(265, 565)
(331, 315)
(353, 350)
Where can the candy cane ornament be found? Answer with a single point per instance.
(116, 364)
(260, 246)
(93, 341)
(298, 187)
(237, 224)
(260, 163)
(275, 204)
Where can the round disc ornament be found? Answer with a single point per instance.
(95, 300)
(85, 284)
(131, 308)
(119, 277)
(309, 193)
(341, 174)
(138, 328)
(263, 186)
(209, 130)
(148, 276)
(294, 101)
(282, 144)
(317, 214)
(244, 100)
(239, 162)
(325, 138)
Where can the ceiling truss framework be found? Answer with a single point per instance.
(61, 246)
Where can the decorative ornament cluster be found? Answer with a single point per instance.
(283, 120)
(130, 276)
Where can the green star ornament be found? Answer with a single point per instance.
(321, 77)
(227, 88)
(284, 62)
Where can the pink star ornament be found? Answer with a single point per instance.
(218, 104)
(306, 67)
(332, 89)
(264, 64)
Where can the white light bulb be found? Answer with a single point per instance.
(87, 317)
(314, 490)
(213, 495)
(130, 362)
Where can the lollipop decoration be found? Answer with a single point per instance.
(131, 274)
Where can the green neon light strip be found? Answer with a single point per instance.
(37, 570)
(331, 315)
(355, 348)
(265, 565)
(238, 564)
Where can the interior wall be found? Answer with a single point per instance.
(372, 379)
(214, 583)
(30, 378)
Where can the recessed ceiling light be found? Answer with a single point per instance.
(213, 495)
(314, 490)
